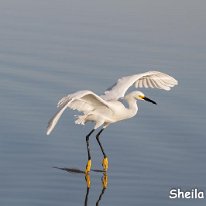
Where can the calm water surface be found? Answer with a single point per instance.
(51, 48)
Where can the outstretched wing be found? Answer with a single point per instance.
(152, 79)
(83, 101)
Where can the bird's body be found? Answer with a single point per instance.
(106, 109)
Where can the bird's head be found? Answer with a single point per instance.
(140, 96)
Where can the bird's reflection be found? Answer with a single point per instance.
(104, 180)
(104, 187)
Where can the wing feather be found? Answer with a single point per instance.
(152, 79)
(162, 85)
(149, 82)
(145, 83)
(155, 84)
(83, 101)
(140, 83)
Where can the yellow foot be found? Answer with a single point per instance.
(88, 166)
(104, 181)
(87, 178)
(105, 163)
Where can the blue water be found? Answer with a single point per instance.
(51, 48)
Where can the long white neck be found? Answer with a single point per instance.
(132, 103)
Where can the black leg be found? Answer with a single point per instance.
(100, 196)
(86, 198)
(97, 137)
(105, 162)
(87, 140)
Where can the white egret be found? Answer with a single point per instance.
(107, 109)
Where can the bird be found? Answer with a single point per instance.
(109, 107)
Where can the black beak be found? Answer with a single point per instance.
(149, 100)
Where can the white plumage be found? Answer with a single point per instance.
(107, 109)
(153, 79)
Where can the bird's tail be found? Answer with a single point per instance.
(81, 119)
(52, 123)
